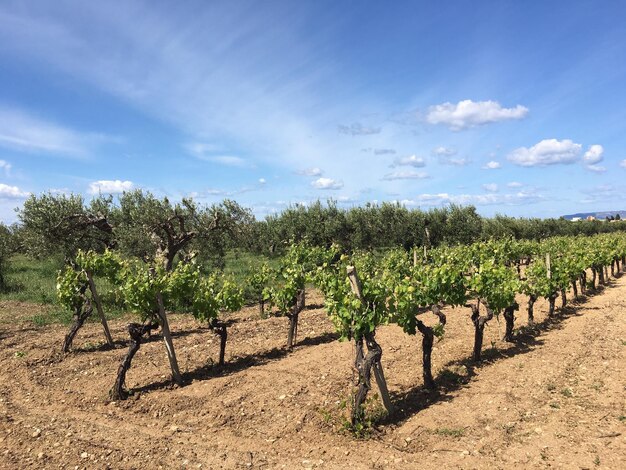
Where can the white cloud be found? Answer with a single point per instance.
(442, 151)
(405, 175)
(310, 172)
(262, 181)
(467, 113)
(12, 192)
(546, 152)
(358, 129)
(110, 186)
(491, 187)
(384, 151)
(492, 165)
(412, 160)
(596, 168)
(594, 154)
(6, 167)
(623, 163)
(327, 183)
(514, 184)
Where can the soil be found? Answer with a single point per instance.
(554, 398)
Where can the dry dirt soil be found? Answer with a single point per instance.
(553, 399)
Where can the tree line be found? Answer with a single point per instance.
(140, 224)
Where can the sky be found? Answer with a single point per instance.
(518, 108)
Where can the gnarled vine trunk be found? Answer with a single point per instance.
(293, 319)
(531, 309)
(551, 301)
(220, 329)
(365, 364)
(428, 337)
(81, 314)
(563, 298)
(479, 328)
(575, 289)
(136, 332)
(509, 317)
(593, 278)
(261, 306)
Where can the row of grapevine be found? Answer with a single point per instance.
(147, 291)
(362, 291)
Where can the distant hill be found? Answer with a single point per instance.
(597, 215)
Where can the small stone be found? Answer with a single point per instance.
(174, 428)
(37, 433)
(84, 455)
(282, 397)
(41, 455)
(538, 430)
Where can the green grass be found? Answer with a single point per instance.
(34, 280)
(31, 280)
(241, 265)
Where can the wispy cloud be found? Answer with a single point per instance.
(212, 153)
(467, 113)
(411, 160)
(454, 161)
(358, 129)
(442, 151)
(6, 167)
(405, 175)
(384, 151)
(310, 172)
(596, 168)
(509, 199)
(547, 152)
(491, 187)
(24, 132)
(602, 193)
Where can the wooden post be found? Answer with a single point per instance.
(382, 386)
(96, 298)
(414, 256)
(548, 268)
(167, 339)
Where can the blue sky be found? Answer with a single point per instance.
(515, 107)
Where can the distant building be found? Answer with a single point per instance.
(576, 219)
(591, 217)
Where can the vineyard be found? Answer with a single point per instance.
(345, 353)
